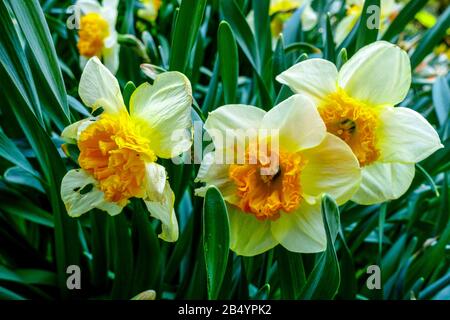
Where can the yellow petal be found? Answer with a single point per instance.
(315, 78)
(165, 107)
(248, 235)
(163, 210)
(383, 181)
(80, 193)
(298, 123)
(331, 168)
(378, 74)
(406, 136)
(99, 88)
(301, 230)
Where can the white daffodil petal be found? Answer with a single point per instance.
(80, 193)
(405, 136)
(111, 58)
(301, 230)
(315, 78)
(331, 168)
(155, 181)
(309, 18)
(88, 6)
(109, 12)
(233, 122)
(378, 74)
(163, 210)
(298, 123)
(384, 181)
(99, 88)
(71, 132)
(165, 107)
(344, 27)
(216, 174)
(248, 235)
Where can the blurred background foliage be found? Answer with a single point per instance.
(227, 61)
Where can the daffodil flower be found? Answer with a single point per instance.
(97, 33)
(281, 204)
(118, 150)
(388, 11)
(149, 9)
(281, 11)
(357, 105)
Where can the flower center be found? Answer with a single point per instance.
(264, 188)
(93, 31)
(354, 122)
(113, 150)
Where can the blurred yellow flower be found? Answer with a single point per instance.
(273, 193)
(149, 9)
(389, 9)
(118, 150)
(281, 11)
(357, 105)
(97, 33)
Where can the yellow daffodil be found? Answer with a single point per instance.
(97, 33)
(281, 11)
(388, 11)
(357, 105)
(273, 196)
(118, 150)
(149, 10)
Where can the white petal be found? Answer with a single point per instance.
(248, 235)
(215, 174)
(378, 74)
(111, 58)
(163, 210)
(165, 107)
(155, 181)
(331, 168)
(384, 181)
(237, 119)
(301, 230)
(99, 88)
(406, 136)
(315, 78)
(344, 27)
(298, 122)
(309, 18)
(88, 6)
(80, 193)
(71, 133)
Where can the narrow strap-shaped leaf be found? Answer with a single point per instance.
(324, 280)
(329, 47)
(216, 240)
(186, 29)
(367, 31)
(291, 273)
(229, 64)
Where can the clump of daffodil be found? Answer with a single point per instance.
(388, 11)
(97, 33)
(149, 9)
(273, 194)
(119, 149)
(357, 105)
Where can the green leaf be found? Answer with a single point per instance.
(127, 92)
(291, 273)
(366, 33)
(328, 39)
(324, 280)
(6, 294)
(216, 240)
(229, 64)
(441, 98)
(186, 29)
(403, 18)
(98, 248)
(32, 22)
(341, 59)
(431, 38)
(20, 176)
